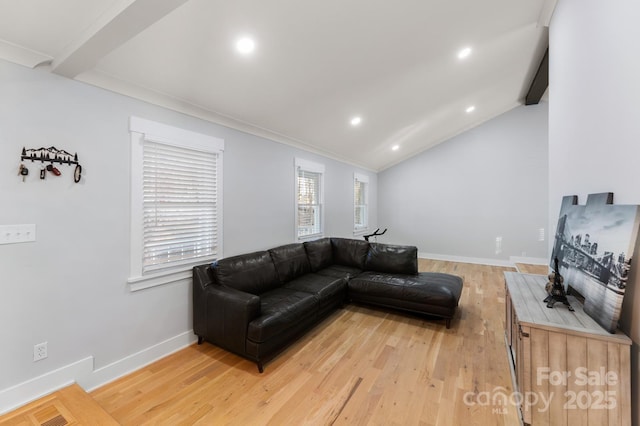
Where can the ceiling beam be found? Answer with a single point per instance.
(548, 7)
(117, 26)
(540, 81)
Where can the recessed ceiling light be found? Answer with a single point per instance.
(355, 121)
(464, 53)
(245, 45)
(470, 109)
(395, 147)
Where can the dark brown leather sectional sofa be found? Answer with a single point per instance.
(256, 304)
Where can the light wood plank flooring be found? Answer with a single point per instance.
(360, 366)
(68, 406)
(532, 269)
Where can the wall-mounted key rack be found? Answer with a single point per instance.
(50, 155)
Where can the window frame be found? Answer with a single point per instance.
(359, 177)
(142, 130)
(313, 167)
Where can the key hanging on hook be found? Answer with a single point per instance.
(24, 172)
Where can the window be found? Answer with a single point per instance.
(360, 202)
(176, 202)
(309, 199)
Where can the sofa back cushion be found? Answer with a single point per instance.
(290, 261)
(252, 273)
(319, 253)
(348, 252)
(392, 259)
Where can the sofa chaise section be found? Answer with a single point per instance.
(426, 293)
(391, 279)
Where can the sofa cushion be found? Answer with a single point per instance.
(348, 252)
(281, 309)
(252, 273)
(392, 259)
(290, 261)
(339, 271)
(422, 290)
(319, 253)
(323, 287)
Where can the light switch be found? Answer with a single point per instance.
(11, 234)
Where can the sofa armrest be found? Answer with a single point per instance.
(202, 278)
(222, 314)
(229, 313)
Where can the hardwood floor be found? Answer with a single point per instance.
(532, 269)
(360, 366)
(68, 406)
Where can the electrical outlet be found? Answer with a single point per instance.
(498, 245)
(40, 351)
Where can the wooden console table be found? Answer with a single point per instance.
(567, 369)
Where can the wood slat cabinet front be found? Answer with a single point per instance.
(567, 369)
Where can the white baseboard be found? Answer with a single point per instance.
(462, 259)
(133, 362)
(511, 263)
(529, 260)
(83, 373)
(22, 393)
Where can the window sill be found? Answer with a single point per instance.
(142, 283)
(163, 277)
(311, 237)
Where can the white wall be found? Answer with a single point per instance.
(594, 121)
(456, 198)
(69, 287)
(264, 198)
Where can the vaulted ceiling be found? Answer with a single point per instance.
(316, 64)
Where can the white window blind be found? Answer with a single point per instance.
(180, 205)
(309, 199)
(176, 202)
(361, 202)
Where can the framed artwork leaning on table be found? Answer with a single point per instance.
(594, 244)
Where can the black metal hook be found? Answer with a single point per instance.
(49, 155)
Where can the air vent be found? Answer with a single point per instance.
(58, 420)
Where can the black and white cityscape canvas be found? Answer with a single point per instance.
(594, 245)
